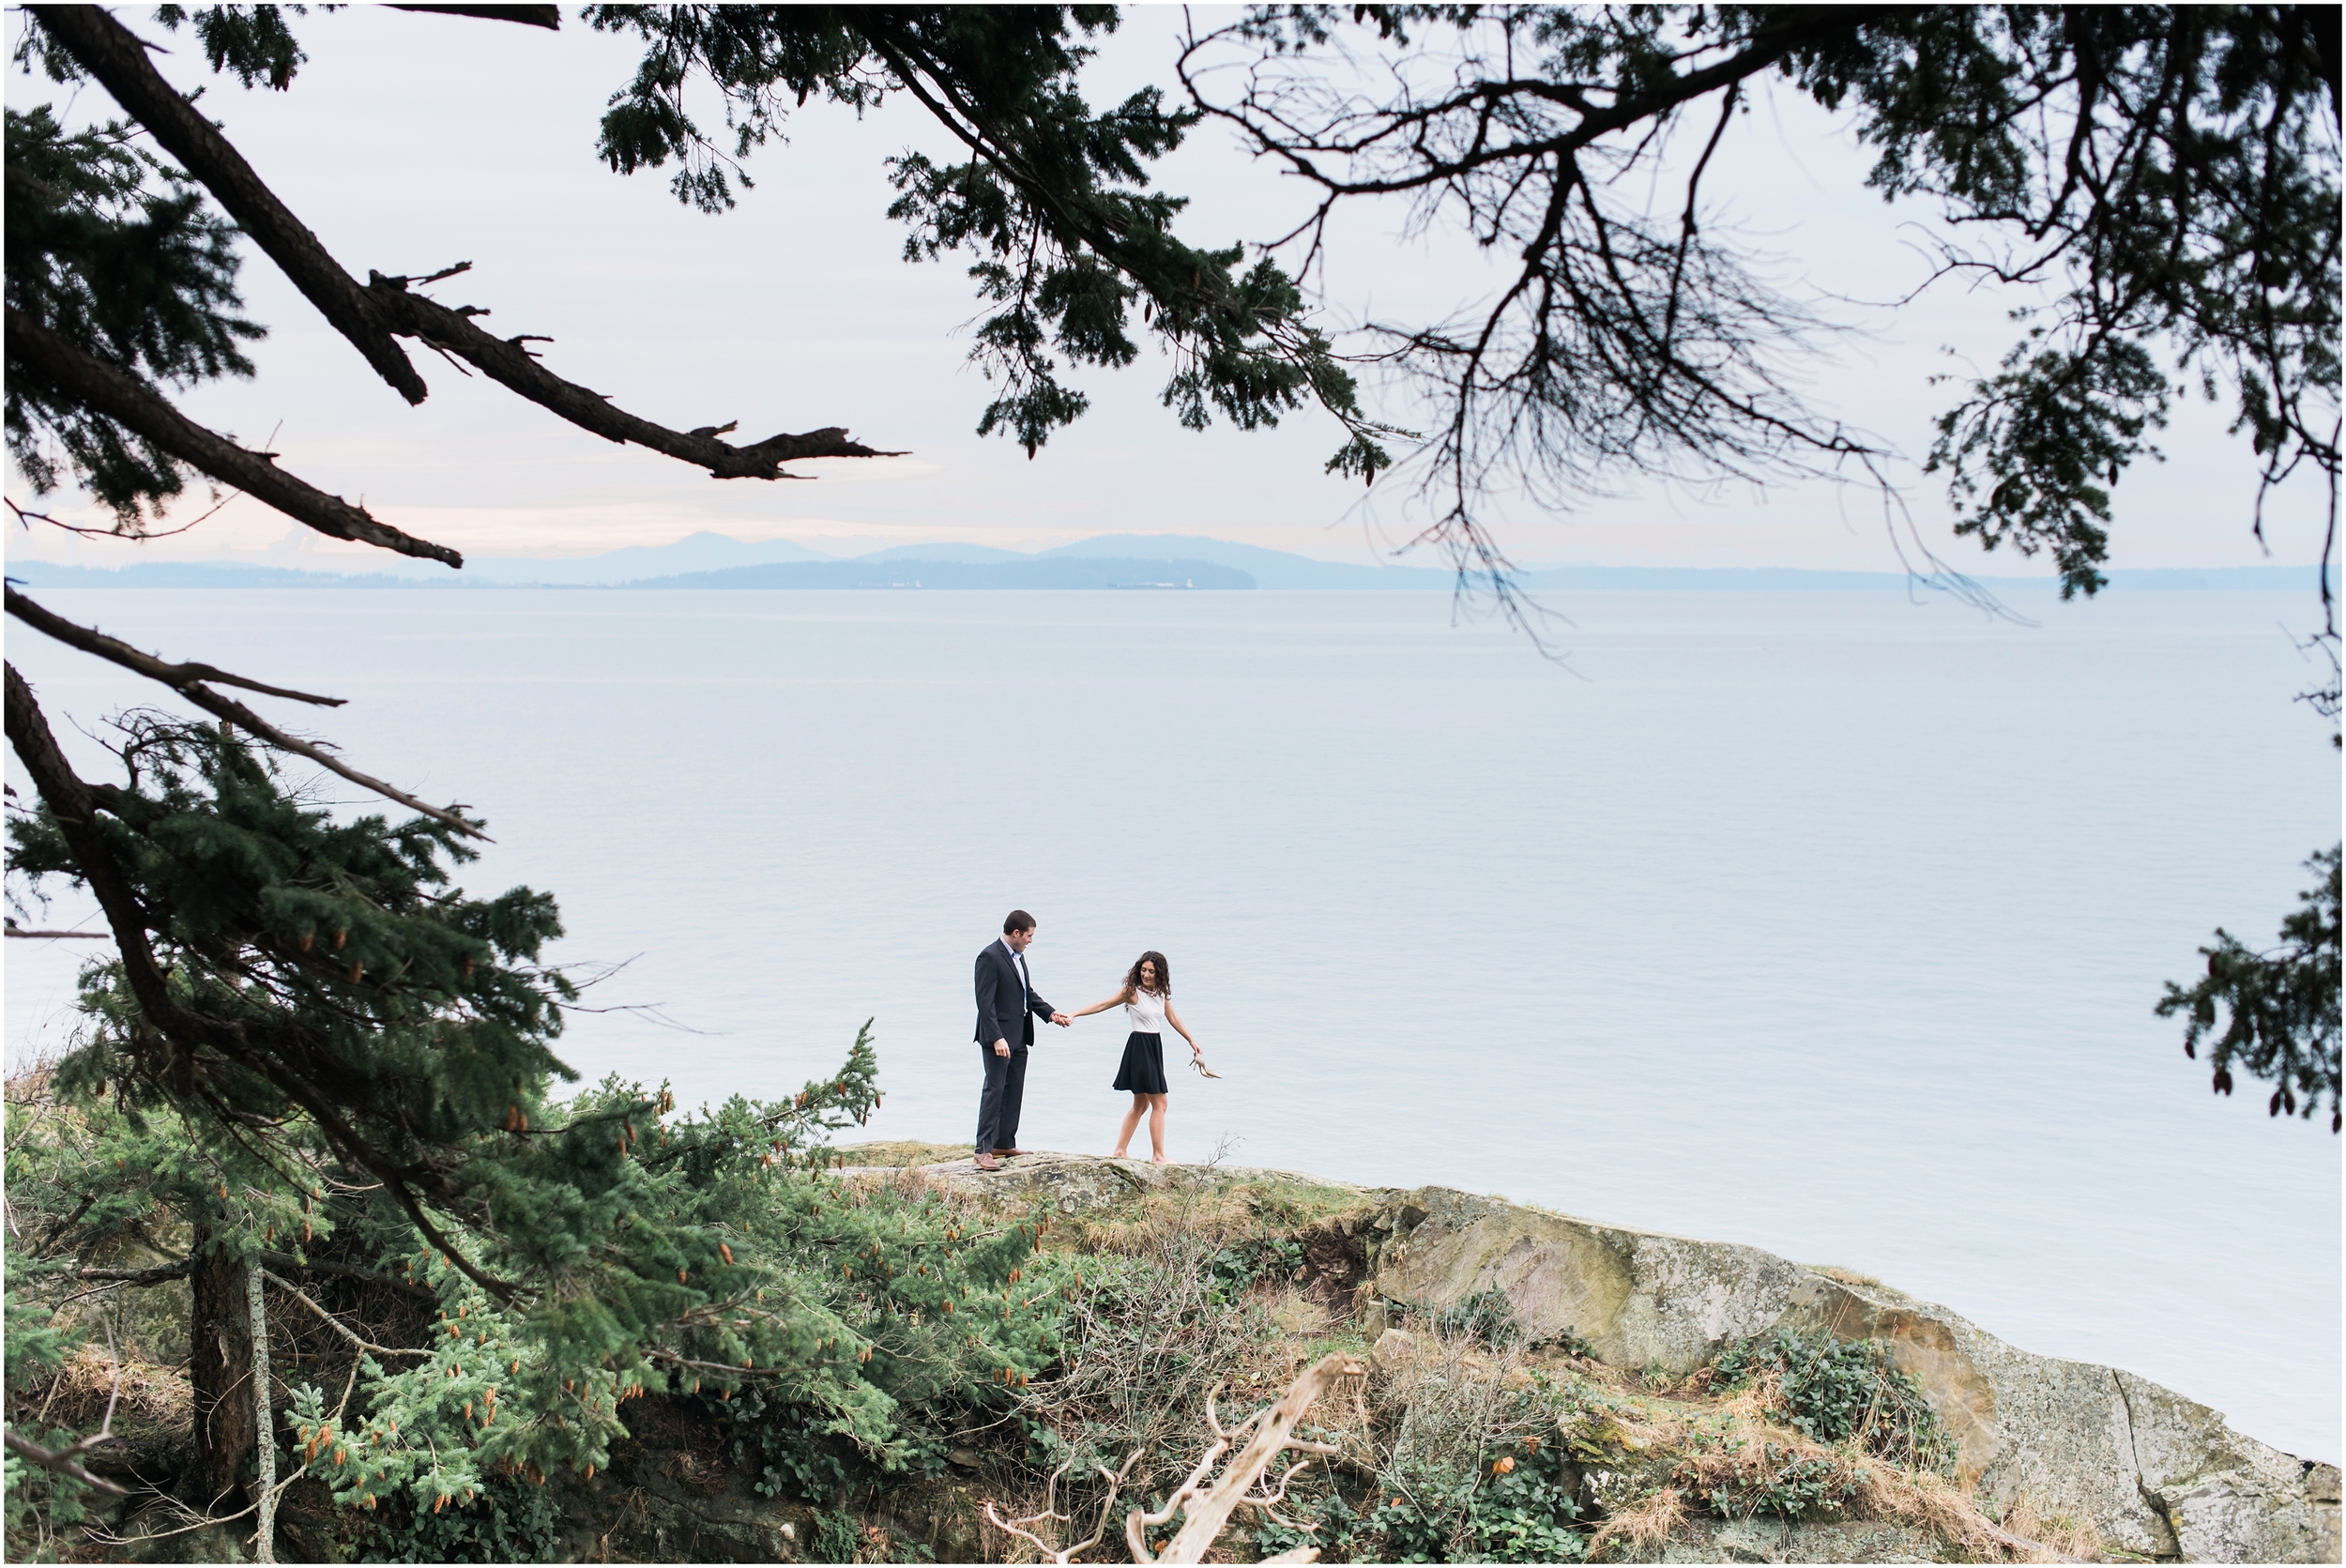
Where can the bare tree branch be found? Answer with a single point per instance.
(182, 678)
(1268, 1431)
(161, 1274)
(345, 1270)
(176, 676)
(127, 400)
(512, 366)
(63, 1461)
(335, 1323)
(1115, 1479)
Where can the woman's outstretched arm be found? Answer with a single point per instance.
(1117, 1000)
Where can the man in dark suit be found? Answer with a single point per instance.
(1007, 1009)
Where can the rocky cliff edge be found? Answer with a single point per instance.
(2159, 1476)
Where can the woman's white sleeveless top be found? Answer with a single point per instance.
(1146, 1011)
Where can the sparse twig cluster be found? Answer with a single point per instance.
(1204, 1499)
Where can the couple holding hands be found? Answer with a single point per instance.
(1007, 1009)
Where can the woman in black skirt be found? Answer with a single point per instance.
(1146, 998)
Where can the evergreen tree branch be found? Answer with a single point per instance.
(73, 805)
(192, 687)
(507, 362)
(117, 58)
(505, 1292)
(2279, 1008)
(105, 390)
(548, 17)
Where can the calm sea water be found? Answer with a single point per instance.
(1826, 923)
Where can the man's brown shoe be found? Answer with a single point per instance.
(988, 1161)
(1006, 1154)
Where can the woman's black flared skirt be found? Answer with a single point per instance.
(1143, 1072)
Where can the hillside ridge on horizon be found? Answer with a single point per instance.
(709, 559)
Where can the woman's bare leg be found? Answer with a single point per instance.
(1132, 1120)
(1156, 1126)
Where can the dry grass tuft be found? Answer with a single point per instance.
(902, 1151)
(76, 1398)
(1732, 1449)
(1846, 1277)
(2068, 1535)
(1941, 1506)
(1643, 1525)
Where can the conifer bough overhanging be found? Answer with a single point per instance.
(306, 1005)
(1047, 180)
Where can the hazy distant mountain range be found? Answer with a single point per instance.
(710, 561)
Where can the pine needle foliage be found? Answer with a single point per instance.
(2279, 1008)
(1069, 242)
(37, 1502)
(328, 966)
(114, 250)
(721, 1259)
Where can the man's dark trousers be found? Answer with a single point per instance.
(997, 1103)
(1007, 1009)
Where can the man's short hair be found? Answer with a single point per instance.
(1017, 920)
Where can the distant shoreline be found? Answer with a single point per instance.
(1163, 562)
(1124, 574)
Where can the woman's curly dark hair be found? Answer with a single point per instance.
(1164, 976)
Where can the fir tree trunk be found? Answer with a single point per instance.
(219, 1370)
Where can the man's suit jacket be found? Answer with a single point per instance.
(1006, 1008)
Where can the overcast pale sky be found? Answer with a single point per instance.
(411, 142)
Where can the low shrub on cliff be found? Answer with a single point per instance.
(1238, 1267)
(508, 1520)
(1459, 1453)
(1837, 1390)
(1486, 1316)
